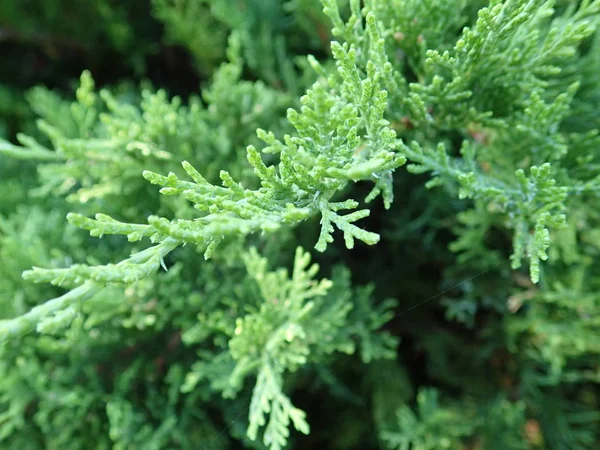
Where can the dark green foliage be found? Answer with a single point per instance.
(437, 160)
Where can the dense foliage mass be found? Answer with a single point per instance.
(438, 160)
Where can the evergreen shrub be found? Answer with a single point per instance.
(300, 224)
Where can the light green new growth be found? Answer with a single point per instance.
(290, 322)
(275, 340)
(342, 137)
(507, 33)
(89, 281)
(492, 103)
(298, 322)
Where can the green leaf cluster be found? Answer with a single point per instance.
(172, 228)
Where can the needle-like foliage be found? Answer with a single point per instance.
(438, 159)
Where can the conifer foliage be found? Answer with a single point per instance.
(437, 160)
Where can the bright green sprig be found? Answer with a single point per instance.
(276, 339)
(328, 152)
(289, 321)
(273, 340)
(525, 200)
(342, 137)
(103, 224)
(128, 271)
(20, 326)
(34, 152)
(88, 280)
(269, 398)
(503, 57)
